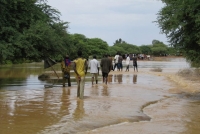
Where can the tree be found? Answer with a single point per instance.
(114, 49)
(158, 51)
(97, 47)
(119, 41)
(30, 30)
(145, 49)
(180, 21)
(158, 48)
(128, 48)
(93, 46)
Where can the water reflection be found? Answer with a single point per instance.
(118, 78)
(110, 78)
(95, 90)
(65, 101)
(79, 112)
(105, 91)
(134, 78)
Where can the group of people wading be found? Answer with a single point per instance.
(80, 67)
(118, 62)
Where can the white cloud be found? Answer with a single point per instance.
(109, 20)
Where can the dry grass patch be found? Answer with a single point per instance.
(190, 74)
(156, 69)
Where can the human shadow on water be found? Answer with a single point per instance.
(134, 79)
(110, 78)
(105, 91)
(65, 101)
(95, 90)
(118, 78)
(79, 112)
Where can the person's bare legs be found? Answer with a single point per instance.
(106, 80)
(82, 85)
(78, 87)
(92, 80)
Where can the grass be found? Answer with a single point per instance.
(192, 74)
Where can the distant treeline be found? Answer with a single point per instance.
(31, 30)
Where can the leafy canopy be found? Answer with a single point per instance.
(180, 21)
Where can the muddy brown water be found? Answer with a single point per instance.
(142, 102)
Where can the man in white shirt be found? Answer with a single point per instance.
(127, 62)
(94, 69)
(116, 61)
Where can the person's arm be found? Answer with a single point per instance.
(101, 63)
(98, 66)
(98, 70)
(89, 65)
(110, 67)
(74, 67)
(86, 66)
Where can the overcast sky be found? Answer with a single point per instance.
(130, 20)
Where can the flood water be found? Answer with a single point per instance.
(132, 102)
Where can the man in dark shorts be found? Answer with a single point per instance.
(135, 63)
(120, 66)
(105, 68)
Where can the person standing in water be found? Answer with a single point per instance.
(135, 63)
(120, 66)
(105, 67)
(94, 69)
(127, 62)
(116, 61)
(65, 67)
(80, 69)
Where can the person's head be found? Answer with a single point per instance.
(127, 55)
(94, 56)
(79, 53)
(67, 56)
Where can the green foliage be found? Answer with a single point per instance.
(89, 47)
(114, 49)
(172, 51)
(119, 41)
(30, 30)
(125, 48)
(145, 49)
(158, 51)
(97, 47)
(180, 21)
(158, 48)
